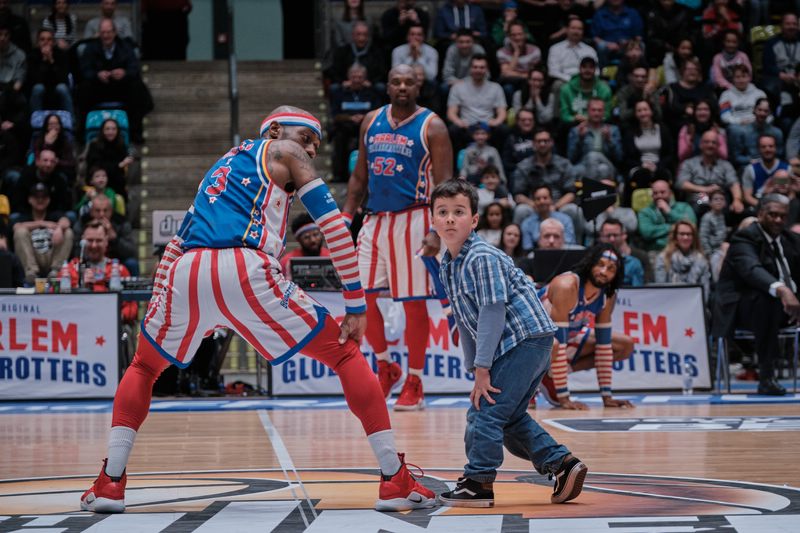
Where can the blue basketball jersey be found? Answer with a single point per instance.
(583, 314)
(237, 205)
(398, 161)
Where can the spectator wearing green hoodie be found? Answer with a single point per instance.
(575, 94)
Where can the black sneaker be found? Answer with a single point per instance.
(469, 493)
(569, 480)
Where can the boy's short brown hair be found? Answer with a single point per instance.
(453, 187)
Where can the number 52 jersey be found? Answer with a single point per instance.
(398, 160)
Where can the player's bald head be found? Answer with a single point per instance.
(401, 70)
(292, 123)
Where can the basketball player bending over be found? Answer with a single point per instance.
(228, 274)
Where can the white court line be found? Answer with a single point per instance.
(285, 460)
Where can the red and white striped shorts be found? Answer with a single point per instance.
(239, 288)
(387, 248)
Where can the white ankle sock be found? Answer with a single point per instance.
(415, 372)
(383, 356)
(385, 451)
(120, 444)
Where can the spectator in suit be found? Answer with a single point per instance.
(62, 23)
(111, 73)
(20, 34)
(13, 64)
(48, 75)
(42, 236)
(395, 22)
(363, 51)
(108, 10)
(757, 288)
(348, 108)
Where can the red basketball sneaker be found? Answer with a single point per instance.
(389, 373)
(548, 390)
(106, 495)
(411, 397)
(401, 492)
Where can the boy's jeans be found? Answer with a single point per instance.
(507, 422)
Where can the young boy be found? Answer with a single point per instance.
(492, 190)
(507, 337)
(712, 226)
(479, 154)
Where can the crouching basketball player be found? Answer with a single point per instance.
(581, 304)
(228, 274)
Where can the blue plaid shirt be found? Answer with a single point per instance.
(481, 275)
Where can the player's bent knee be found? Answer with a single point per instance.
(623, 347)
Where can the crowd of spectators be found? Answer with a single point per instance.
(688, 110)
(72, 102)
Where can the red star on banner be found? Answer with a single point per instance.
(688, 332)
(100, 341)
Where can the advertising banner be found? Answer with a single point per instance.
(666, 324)
(59, 346)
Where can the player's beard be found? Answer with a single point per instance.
(596, 283)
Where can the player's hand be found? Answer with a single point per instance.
(608, 401)
(574, 406)
(431, 244)
(482, 388)
(353, 327)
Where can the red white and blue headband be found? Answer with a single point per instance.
(292, 119)
(608, 254)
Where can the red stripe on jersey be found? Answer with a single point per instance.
(194, 311)
(264, 219)
(299, 311)
(337, 248)
(392, 257)
(255, 305)
(409, 253)
(427, 218)
(373, 261)
(240, 328)
(162, 331)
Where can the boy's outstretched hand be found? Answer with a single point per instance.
(482, 388)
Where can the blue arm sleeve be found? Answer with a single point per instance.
(491, 324)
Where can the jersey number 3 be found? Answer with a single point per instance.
(383, 166)
(221, 181)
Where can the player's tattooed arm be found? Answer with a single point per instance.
(299, 167)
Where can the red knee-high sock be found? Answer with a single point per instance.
(375, 334)
(132, 401)
(361, 388)
(417, 332)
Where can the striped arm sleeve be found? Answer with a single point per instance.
(559, 367)
(603, 357)
(319, 202)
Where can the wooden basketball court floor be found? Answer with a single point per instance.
(668, 465)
